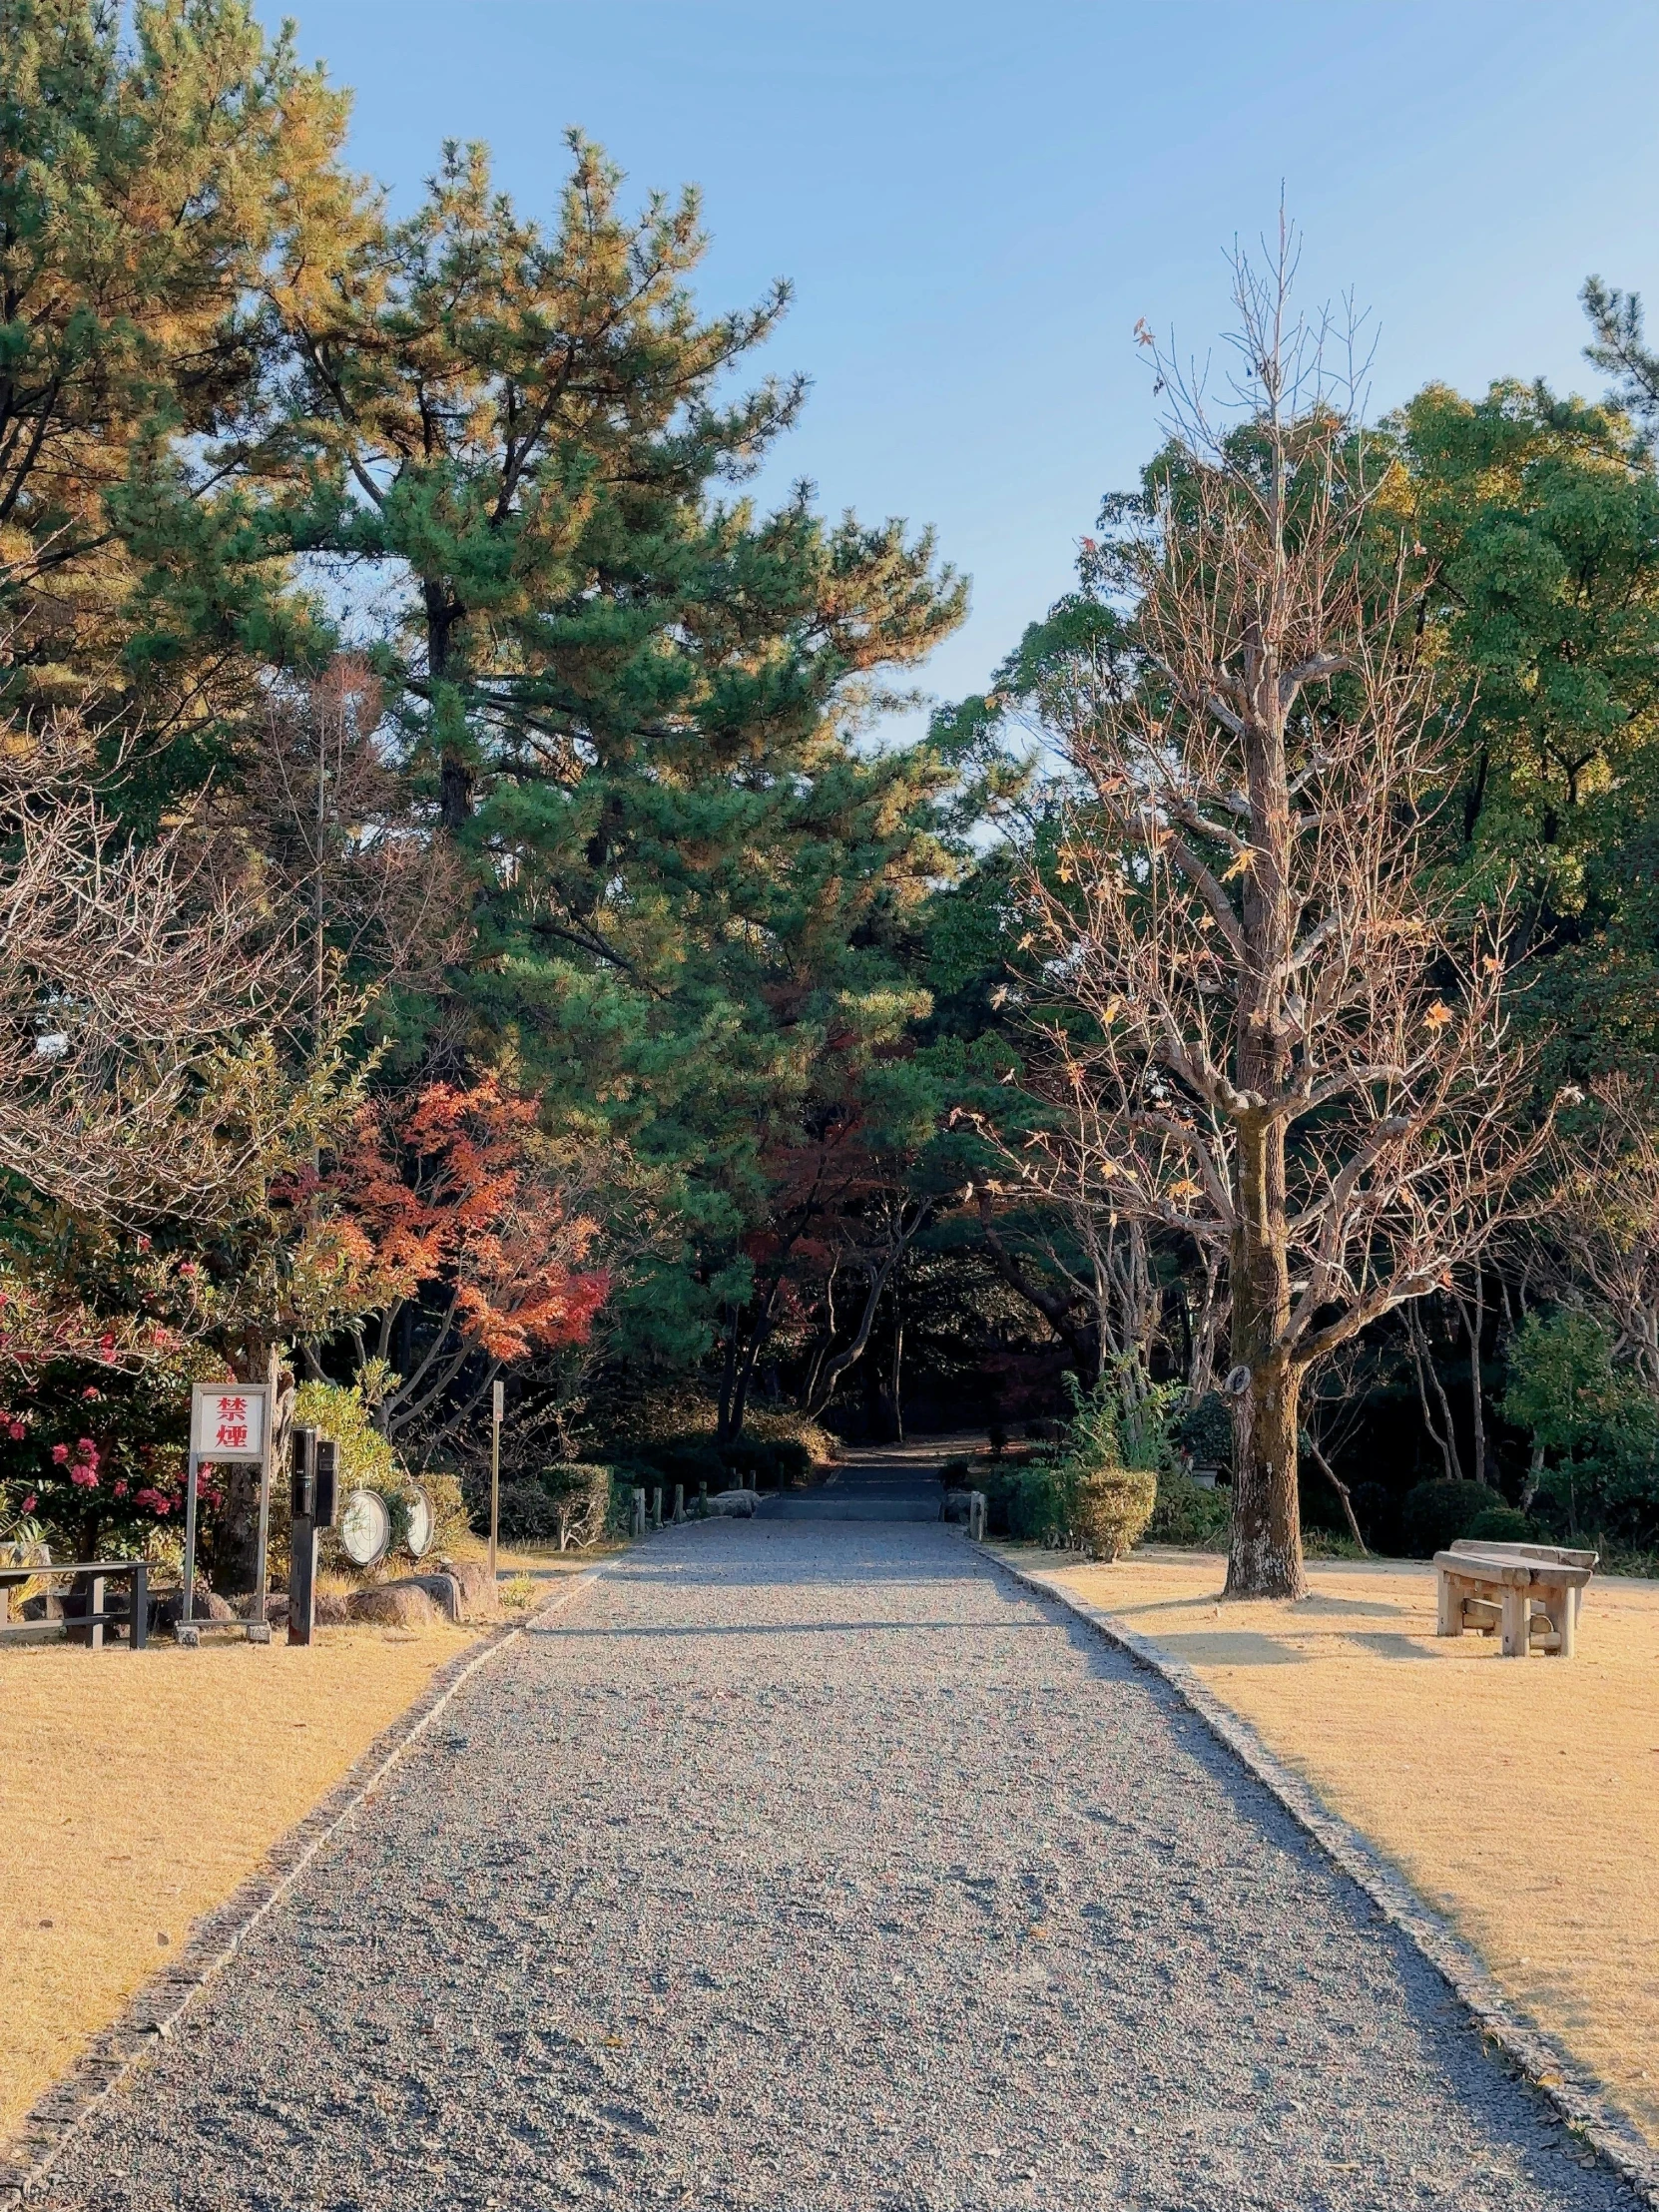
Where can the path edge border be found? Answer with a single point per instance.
(64, 2110)
(1546, 2065)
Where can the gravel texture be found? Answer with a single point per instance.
(802, 1866)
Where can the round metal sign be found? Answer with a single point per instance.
(419, 1538)
(364, 1527)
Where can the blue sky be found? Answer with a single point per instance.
(976, 203)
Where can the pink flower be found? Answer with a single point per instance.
(89, 1392)
(86, 1448)
(144, 1244)
(84, 1477)
(17, 1432)
(188, 1268)
(30, 1502)
(60, 1452)
(121, 1489)
(106, 1344)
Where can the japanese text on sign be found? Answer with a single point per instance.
(227, 1422)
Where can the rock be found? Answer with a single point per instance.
(955, 1505)
(206, 1604)
(478, 1598)
(394, 1605)
(734, 1504)
(443, 1589)
(333, 1608)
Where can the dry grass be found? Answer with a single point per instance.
(1521, 1797)
(138, 1788)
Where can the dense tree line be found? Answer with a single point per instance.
(464, 917)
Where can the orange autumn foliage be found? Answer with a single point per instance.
(452, 1196)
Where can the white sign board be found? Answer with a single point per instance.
(227, 1419)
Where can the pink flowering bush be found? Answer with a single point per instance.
(97, 1468)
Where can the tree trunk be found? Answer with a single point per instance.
(1265, 1559)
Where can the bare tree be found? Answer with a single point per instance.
(130, 980)
(1271, 1028)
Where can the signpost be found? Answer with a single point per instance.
(229, 1421)
(304, 1452)
(498, 1396)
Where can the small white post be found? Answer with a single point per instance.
(498, 1396)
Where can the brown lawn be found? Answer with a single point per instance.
(137, 1788)
(1521, 1795)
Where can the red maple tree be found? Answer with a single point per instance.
(453, 1234)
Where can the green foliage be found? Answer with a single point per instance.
(151, 184)
(1204, 1429)
(778, 1463)
(1535, 522)
(1595, 1423)
(1502, 1525)
(1436, 1514)
(1031, 1504)
(370, 1462)
(1189, 1514)
(1112, 1508)
(568, 1504)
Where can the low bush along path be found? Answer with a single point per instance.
(819, 1864)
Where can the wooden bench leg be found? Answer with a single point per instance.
(1517, 1622)
(1449, 1609)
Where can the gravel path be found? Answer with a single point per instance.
(798, 1867)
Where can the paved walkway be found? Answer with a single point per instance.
(798, 1867)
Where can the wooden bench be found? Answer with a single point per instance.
(87, 1627)
(1532, 1592)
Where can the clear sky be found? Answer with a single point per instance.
(975, 202)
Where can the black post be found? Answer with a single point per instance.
(138, 1620)
(303, 1538)
(327, 1505)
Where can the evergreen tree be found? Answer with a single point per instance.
(147, 183)
(631, 699)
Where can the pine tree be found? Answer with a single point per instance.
(146, 182)
(628, 697)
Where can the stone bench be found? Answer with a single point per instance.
(1532, 1592)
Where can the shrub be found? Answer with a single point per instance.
(957, 1474)
(776, 1462)
(528, 1515)
(368, 1460)
(579, 1493)
(799, 1432)
(1186, 1513)
(639, 1427)
(1502, 1525)
(1111, 1508)
(1205, 1429)
(1437, 1514)
(1325, 1543)
(1031, 1504)
(687, 1460)
(569, 1502)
